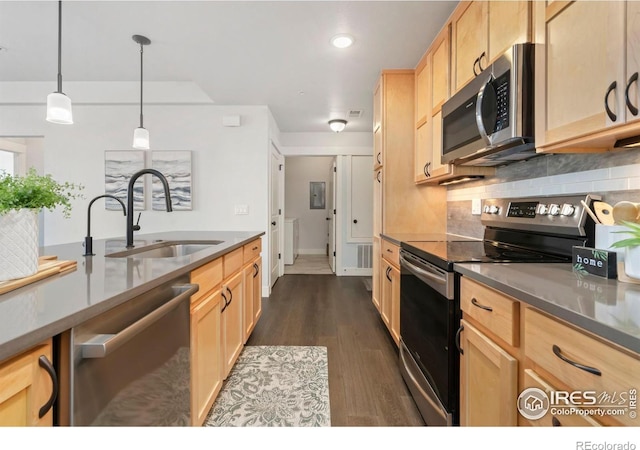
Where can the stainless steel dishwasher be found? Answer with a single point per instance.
(130, 366)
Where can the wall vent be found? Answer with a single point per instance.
(365, 256)
(354, 113)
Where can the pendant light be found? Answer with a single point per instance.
(58, 104)
(140, 134)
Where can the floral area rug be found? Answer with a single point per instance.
(275, 386)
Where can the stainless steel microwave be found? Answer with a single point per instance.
(490, 121)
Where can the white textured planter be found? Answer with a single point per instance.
(632, 261)
(18, 244)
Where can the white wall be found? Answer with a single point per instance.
(230, 164)
(312, 223)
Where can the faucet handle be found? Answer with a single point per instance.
(136, 227)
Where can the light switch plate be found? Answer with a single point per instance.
(476, 207)
(241, 210)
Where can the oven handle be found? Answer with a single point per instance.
(423, 272)
(100, 345)
(428, 396)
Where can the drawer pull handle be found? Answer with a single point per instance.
(257, 270)
(460, 330)
(632, 108)
(387, 274)
(610, 113)
(389, 250)
(44, 362)
(255, 248)
(592, 370)
(474, 302)
(226, 303)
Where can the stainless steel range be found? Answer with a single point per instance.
(533, 229)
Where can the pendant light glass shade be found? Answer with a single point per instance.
(58, 104)
(337, 125)
(141, 138)
(59, 108)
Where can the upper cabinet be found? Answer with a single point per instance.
(377, 123)
(590, 64)
(432, 88)
(482, 31)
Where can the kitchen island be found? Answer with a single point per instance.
(48, 307)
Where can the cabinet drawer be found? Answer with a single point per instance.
(233, 262)
(496, 311)
(252, 250)
(548, 341)
(532, 379)
(207, 277)
(391, 253)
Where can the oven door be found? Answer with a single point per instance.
(429, 317)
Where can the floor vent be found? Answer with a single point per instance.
(365, 256)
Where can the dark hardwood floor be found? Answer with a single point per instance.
(365, 385)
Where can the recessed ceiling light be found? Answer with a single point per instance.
(342, 40)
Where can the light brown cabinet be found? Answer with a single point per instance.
(590, 66)
(488, 381)
(206, 340)
(376, 293)
(252, 271)
(27, 390)
(232, 321)
(390, 289)
(432, 90)
(482, 31)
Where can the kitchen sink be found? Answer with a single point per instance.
(165, 249)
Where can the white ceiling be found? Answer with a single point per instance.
(274, 53)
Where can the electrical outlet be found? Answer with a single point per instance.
(241, 210)
(476, 207)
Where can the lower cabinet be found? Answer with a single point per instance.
(232, 321)
(28, 388)
(206, 355)
(488, 381)
(390, 289)
(252, 295)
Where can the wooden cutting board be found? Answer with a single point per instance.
(47, 266)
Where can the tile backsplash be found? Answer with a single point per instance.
(613, 175)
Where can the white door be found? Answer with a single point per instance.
(277, 166)
(332, 217)
(361, 199)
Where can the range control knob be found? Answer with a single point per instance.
(493, 209)
(542, 209)
(567, 209)
(485, 209)
(554, 210)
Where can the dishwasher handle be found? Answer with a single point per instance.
(100, 345)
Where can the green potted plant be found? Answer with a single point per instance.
(21, 199)
(631, 246)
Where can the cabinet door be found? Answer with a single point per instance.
(257, 291)
(394, 274)
(377, 203)
(387, 293)
(377, 125)
(247, 319)
(206, 356)
(231, 312)
(509, 23)
(440, 94)
(376, 293)
(422, 153)
(422, 148)
(488, 381)
(633, 61)
(584, 54)
(25, 387)
(470, 37)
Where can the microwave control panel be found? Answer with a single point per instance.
(501, 86)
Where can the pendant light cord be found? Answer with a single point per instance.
(141, 120)
(60, 46)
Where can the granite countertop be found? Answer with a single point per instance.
(606, 307)
(43, 309)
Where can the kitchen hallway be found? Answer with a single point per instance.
(365, 385)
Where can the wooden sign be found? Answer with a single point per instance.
(595, 261)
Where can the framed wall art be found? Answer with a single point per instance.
(119, 166)
(176, 167)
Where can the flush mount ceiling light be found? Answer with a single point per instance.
(342, 40)
(337, 125)
(58, 104)
(140, 134)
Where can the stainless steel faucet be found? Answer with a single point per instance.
(132, 181)
(88, 240)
